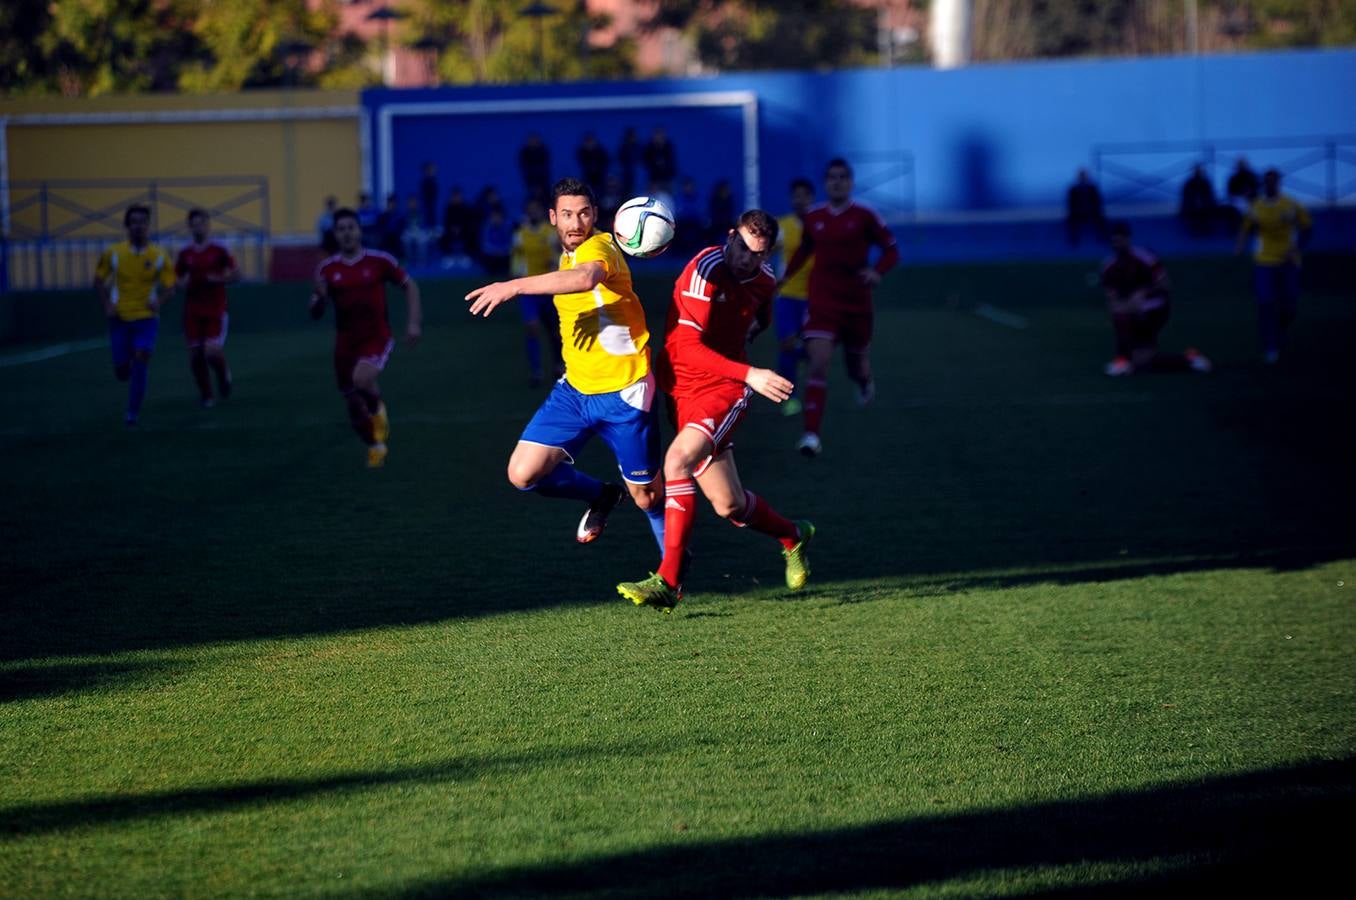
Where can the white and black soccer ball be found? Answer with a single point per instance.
(643, 227)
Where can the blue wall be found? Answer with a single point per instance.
(988, 137)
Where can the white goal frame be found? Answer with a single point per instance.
(746, 101)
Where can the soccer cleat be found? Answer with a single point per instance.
(792, 407)
(1198, 361)
(653, 591)
(1119, 366)
(595, 518)
(809, 445)
(376, 456)
(381, 426)
(866, 393)
(797, 563)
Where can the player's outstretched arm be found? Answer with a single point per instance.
(769, 384)
(484, 299)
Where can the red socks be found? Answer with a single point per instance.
(816, 396)
(759, 516)
(680, 509)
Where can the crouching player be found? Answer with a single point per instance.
(355, 280)
(706, 372)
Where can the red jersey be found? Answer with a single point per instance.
(1136, 270)
(203, 297)
(841, 241)
(357, 287)
(709, 321)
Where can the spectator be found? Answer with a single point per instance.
(367, 212)
(593, 161)
(428, 199)
(1084, 210)
(628, 157)
(1240, 191)
(391, 228)
(324, 226)
(1198, 203)
(720, 212)
(461, 235)
(416, 237)
(496, 242)
(687, 218)
(534, 162)
(660, 160)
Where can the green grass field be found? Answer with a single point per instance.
(1065, 634)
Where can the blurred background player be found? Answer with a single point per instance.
(1136, 286)
(720, 295)
(840, 235)
(535, 248)
(204, 268)
(355, 280)
(608, 388)
(134, 280)
(788, 314)
(1283, 227)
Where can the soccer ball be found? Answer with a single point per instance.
(643, 227)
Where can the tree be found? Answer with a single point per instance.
(746, 34)
(244, 43)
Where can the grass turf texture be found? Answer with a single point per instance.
(1065, 634)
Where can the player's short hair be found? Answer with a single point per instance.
(197, 211)
(802, 183)
(1120, 228)
(345, 212)
(132, 210)
(760, 224)
(838, 163)
(572, 187)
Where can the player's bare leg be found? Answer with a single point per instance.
(367, 412)
(197, 364)
(550, 472)
(215, 357)
(818, 353)
(858, 364)
(745, 509)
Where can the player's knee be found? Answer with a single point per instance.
(646, 499)
(727, 507)
(523, 477)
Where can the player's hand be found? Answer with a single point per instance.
(485, 299)
(316, 307)
(869, 276)
(769, 384)
(413, 331)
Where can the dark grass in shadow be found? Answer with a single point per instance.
(28, 682)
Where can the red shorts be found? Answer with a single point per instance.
(205, 327)
(847, 325)
(374, 351)
(715, 413)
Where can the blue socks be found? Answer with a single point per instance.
(656, 518)
(568, 482)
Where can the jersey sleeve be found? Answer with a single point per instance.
(228, 260)
(394, 272)
(181, 262)
(881, 236)
(802, 254)
(597, 250)
(104, 269)
(692, 296)
(164, 271)
(1302, 217)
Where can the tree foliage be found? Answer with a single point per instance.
(746, 34)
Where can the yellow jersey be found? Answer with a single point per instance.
(534, 249)
(790, 229)
(137, 275)
(1276, 222)
(603, 334)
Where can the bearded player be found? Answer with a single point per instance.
(840, 235)
(355, 280)
(204, 268)
(607, 390)
(723, 295)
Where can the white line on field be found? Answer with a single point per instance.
(52, 352)
(1001, 316)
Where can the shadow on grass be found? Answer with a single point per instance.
(1278, 829)
(28, 682)
(113, 809)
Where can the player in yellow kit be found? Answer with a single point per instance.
(788, 314)
(535, 248)
(1282, 227)
(608, 388)
(134, 279)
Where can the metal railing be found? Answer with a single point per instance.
(1317, 170)
(55, 230)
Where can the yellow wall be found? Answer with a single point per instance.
(303, 160)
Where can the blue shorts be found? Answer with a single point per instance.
(537, 307)
(1276, 283)
(626, 420)
(788, 316)
(127, 338)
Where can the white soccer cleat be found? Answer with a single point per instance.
(809, 445)
(1198, 361)
(1119, 366)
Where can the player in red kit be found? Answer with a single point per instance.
(840, 235)
(723, 295)
(355, 280)
(204, 268)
